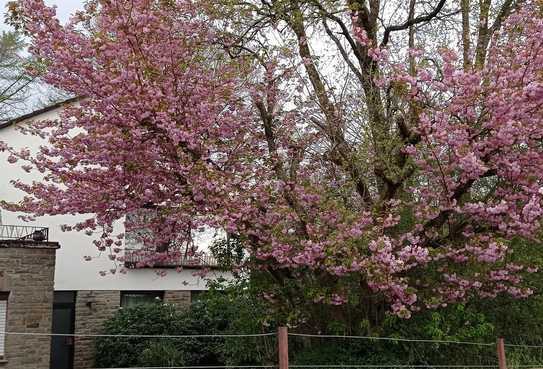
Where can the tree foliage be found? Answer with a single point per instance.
(14, 81)
(361, 157)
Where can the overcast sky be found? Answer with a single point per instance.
(64, 9)
(40, 94)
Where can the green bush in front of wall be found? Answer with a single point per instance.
(158, 320)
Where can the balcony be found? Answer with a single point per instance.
(24, 233)
(137, 259)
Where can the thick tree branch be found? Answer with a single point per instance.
(267, 121)
(420, 19)
(344, 29)
(411, 43)
(333, 122)
(460, 191)
(466, 41)
(483, 33)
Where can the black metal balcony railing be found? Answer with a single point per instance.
(27, 233)
(136, 258)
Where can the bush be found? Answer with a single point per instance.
(164, 354)
(455, 323)
(236, 309)
(231, 309)
(157, 319)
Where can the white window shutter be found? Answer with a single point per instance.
(3, 324)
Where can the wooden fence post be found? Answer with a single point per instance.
(282, 341)
(501, 354)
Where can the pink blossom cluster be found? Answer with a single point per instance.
(173, 131)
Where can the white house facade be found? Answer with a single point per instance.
(83, 298)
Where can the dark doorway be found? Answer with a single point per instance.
(62, 347)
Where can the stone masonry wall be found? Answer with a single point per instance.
(27, 272)
(178, 298)
(93, 308)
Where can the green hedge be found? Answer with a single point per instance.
(235, 309)
(222, 310)
(157, 319)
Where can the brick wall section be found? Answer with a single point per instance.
(178, 298)
(27, 273)
(92, 309)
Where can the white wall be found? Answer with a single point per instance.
(72, 272)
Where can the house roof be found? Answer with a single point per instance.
(37, 112)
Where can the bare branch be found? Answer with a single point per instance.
(420, 19)
(343, 51)
(466, 42)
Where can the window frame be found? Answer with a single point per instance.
(158, 293)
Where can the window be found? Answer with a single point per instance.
(3, 320)
(134, 298)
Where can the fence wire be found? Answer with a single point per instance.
(335, 351)
(82, 335)
(393, 339)
(339, 367)
(202, 367)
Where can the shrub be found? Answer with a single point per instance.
(235, 308)
(157, 319)
(224, 309)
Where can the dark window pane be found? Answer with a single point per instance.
(64, 297)
(134, 298)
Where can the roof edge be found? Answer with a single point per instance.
(25, 244)
(38, 112)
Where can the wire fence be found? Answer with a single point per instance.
(270, 334)
(274, 349)
(394, 339)
(83, 335)
(338, 366)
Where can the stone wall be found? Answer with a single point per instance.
(179, 298)
(27, 273)
(93, 308)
